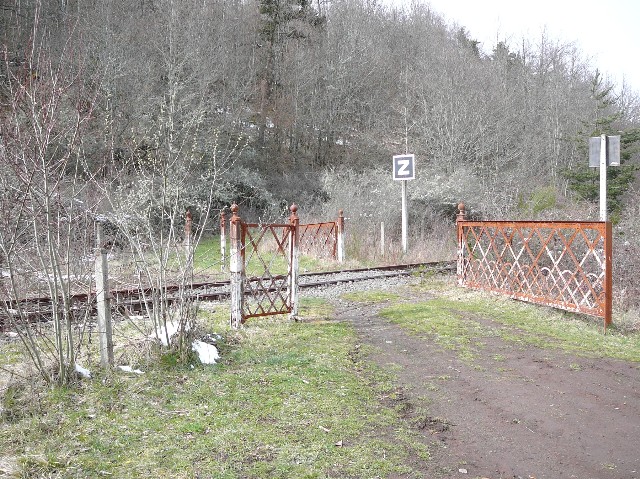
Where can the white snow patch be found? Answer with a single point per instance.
(128, 369)
(85, 373)
(172, 329)
(207, 353)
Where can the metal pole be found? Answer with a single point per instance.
(103, 300)
(382, 239)
(603, 178)
(405, 221)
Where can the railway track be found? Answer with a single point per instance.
(134, 300)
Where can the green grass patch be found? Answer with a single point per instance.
(207, 257)
(207, 254)
(288, 400)
(371, 296)
(430, 317)
(315, 309)
(461, 323)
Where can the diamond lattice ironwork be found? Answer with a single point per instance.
(561, 264)
(267, 257)
(319, 240)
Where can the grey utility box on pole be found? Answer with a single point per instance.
(604, 151)
(612, 149)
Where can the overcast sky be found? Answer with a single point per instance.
(608, 32)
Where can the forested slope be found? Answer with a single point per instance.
(298, 100)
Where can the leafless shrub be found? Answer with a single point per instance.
(44, 238)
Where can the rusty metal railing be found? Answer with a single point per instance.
(323, 240)
(263, 261)
(263, 267)
(566, 265)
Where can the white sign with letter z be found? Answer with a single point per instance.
(404, 167)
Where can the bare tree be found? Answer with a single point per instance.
(45, 234)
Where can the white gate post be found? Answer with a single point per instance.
(188, 221)
(293, 265)
(103, 299)
(460, 218)
(236, 268)
(341, 255)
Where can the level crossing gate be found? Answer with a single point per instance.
(323, 240)
(566, 265)
(263, 267)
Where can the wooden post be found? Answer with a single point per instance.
(460, 218)
(294, 220)
(341, 255)
(223, 240)
(103, 298)
(236, 268)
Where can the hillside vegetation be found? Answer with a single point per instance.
(309, 93)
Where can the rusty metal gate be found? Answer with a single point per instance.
(263, 267)
(323, 240)
(566, 265)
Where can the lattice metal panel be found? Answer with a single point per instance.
(267, 259)
(319, 240)
(561, 264)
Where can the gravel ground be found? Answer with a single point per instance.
(377, 284)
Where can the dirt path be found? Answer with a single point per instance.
(532, 413)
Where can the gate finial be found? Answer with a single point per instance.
(294, 212)
(462, 214)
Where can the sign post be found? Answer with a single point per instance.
(604, 151)
(404, 168)
(603, 178)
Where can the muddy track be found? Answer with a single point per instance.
(516, 411)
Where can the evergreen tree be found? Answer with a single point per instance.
(585, 181)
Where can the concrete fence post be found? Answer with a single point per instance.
(460, 218)
(340, 231)
(223, 240)
(294, 237)
(236, 268)
(103, 300)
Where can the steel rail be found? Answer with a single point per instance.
(137, 299)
